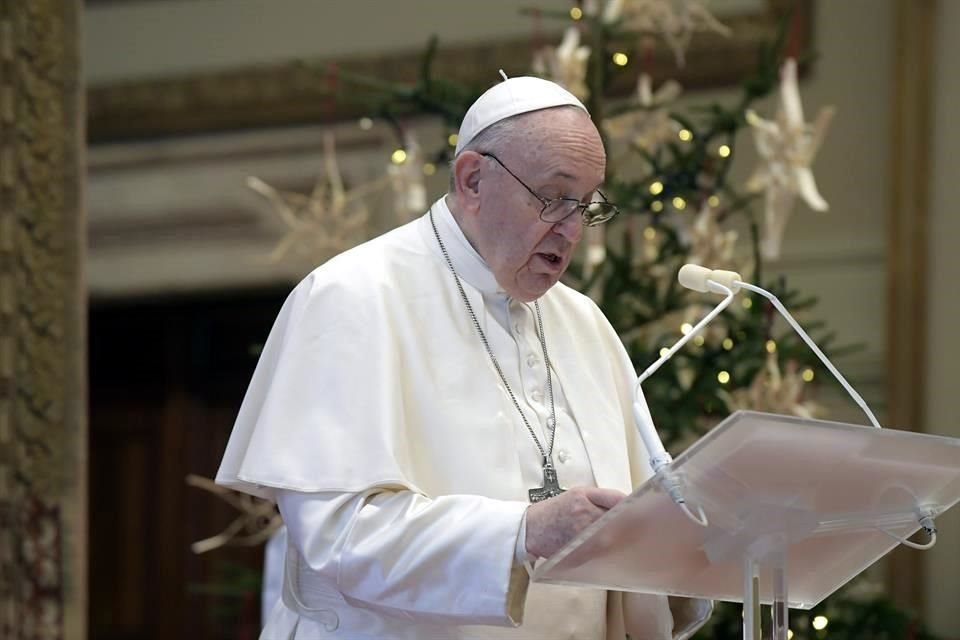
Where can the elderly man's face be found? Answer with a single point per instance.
(559, 155)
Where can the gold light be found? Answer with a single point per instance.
(656, 206)
(698, 340)
(807, 375)
(366, 123)
(576, 13)
(399, 156)
(747, 303)
(820, 623)
(713, 201)
(452, 139)
(656, 188)
(789, 634)
(429, 169)
(686, 328)
(679, 203)
(771, 346)
(727, 344)
(620, 59)
(723, 377)
(685, 134)
(650, 233)
(664, 352)
(723, 151)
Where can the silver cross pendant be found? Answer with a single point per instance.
(551, 486)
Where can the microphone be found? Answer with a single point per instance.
(728, 284)
(693, 276)
(701, 279)
(704, 280)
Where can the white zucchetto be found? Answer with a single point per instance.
(509, 98)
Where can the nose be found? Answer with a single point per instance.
(570, 227)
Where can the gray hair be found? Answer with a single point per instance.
(492, 140)
(495, 137)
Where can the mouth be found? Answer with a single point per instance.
(550, 262)
(552, 258)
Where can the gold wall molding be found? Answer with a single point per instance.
(907, 242)
(292, 93)
(42, 324)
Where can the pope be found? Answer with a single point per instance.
(434, 410)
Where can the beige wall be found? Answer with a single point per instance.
(840, 255)
(133, 39)
(176, 37)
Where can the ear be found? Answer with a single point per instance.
(466, 180)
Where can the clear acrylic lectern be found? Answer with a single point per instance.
(795, 509)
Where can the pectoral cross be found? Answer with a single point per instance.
(551, 486)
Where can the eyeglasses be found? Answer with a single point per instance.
(559, 209)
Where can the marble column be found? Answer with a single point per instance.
(42, 323)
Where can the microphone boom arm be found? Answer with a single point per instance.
(727, 283)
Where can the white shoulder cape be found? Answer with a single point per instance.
(373, 375)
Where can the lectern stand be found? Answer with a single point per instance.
(795, 508)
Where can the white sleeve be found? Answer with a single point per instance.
(449, 560)
(520, 552)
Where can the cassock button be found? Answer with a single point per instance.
(531, 361)
(563, 456)
(537, 395)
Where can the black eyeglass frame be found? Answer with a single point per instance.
(579, 206)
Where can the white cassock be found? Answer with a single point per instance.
(400, 465)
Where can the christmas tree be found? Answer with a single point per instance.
(669, 172)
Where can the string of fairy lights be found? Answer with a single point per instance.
(683, 165)
(657, 205)
(819, 623)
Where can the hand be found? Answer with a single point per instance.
(553, 523)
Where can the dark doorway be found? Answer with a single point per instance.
(166, 379)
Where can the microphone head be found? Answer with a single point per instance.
(727, 279)
(693, 276)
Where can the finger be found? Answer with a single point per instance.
(605, 498)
